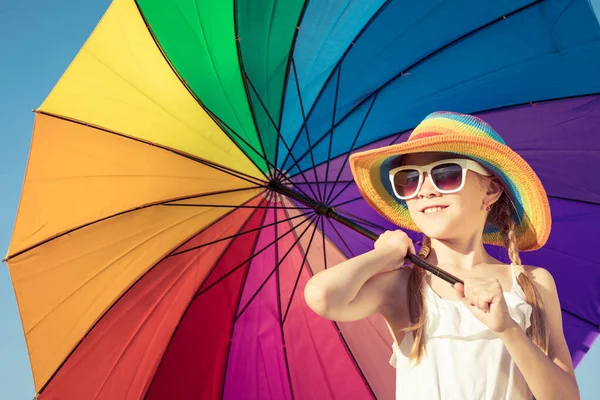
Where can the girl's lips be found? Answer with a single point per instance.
(429, 207)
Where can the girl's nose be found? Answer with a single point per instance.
(427, 189)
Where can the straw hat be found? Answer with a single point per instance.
(473, 138)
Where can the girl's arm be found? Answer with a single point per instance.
(552, 376)
(359, 286)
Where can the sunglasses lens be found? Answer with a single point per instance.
(447, 176)
(406, 182)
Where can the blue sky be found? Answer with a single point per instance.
(38, 39)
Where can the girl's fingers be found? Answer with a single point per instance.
(470, 288)
(483, 301)
(473, 293)
(467, 303)
(460, 290)
(476, 294)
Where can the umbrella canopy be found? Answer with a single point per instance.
(153, 255)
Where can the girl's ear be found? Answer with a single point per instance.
(494, 186)
(494, 190)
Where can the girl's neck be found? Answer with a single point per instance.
(459, 254)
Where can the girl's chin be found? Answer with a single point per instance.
(440, 230)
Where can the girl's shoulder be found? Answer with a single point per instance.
(545, 284)
(539, 276)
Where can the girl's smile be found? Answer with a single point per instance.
(433, 210)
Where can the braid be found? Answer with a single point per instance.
(507, 229)
(503, 219)
(416, 304)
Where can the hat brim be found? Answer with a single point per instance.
(533, 220)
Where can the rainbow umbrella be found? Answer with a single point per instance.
(184, 169)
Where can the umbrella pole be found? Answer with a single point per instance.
(329, 212)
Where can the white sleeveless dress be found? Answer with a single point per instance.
(464, 359)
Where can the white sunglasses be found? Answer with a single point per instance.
(446, 176)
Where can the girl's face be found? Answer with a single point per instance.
(450, 216)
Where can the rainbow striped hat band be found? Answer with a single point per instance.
(471, 137)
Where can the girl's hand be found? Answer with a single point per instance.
(399, 243)
(484, 298)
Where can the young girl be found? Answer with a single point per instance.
(498, 336)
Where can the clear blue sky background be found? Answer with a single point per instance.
(38, 39)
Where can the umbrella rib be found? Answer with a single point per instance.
(279, 262)
(575, 200)
(199, 195)
(346, 186)
(161, 203)
(287, 77)
(347, 157)
(322, 218)
(328, 182)
(249, 259)
(304, 258)
(212, 63)
(312, 157)
(299, 274)
(233, 236)
(341, 238)
(278, 291)
(335, 101)
(237, 304)
(279, 172)
(358, 368)
(232, 172)
(211, 164)
(416, 63)
(356, 218)
(579, 317)
(348, 201)
(229, 206)
(243, 74)
(397, 137)
(363, 29)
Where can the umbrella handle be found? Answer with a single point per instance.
(323, 209)
(451, 279)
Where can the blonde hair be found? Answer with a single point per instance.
(501, 215)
